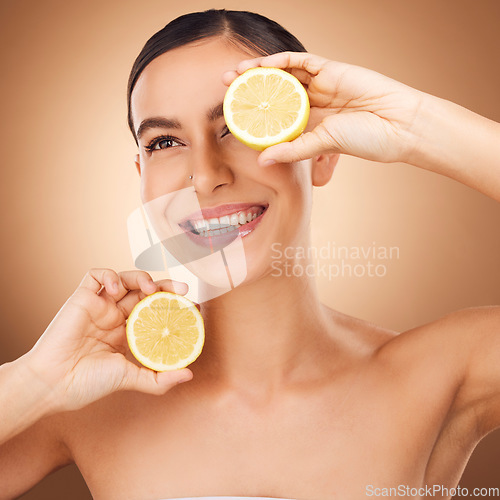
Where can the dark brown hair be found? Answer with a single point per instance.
(257, 33)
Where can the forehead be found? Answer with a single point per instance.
(184, 81)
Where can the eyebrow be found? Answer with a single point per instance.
(216, 112)
(156, 122)
(213, 114)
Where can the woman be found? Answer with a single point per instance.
(289, 399)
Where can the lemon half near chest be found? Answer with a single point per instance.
(165, 331)
(266, 106)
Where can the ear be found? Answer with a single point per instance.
(138, 163)
(322, 168)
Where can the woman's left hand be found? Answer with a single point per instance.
(354, 110)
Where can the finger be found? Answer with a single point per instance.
(134, 280)
(247, 64)
(310, 63)
(302, 75)
(178, 287)
(264, 61)
(145, 380)
(130, 300)
(228, 77)
(96, 279)
(306, 146)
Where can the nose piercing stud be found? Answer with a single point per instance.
(190, 177)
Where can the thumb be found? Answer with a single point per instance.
(308, 145)
(145, 380)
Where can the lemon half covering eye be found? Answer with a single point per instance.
(266, 106)
(165, 331)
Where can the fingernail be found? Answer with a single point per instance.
(114, 287)
(268, 163)
(184, 379)
(180, 288)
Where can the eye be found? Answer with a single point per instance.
(162, 142)
(225, 131)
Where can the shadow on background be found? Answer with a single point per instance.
(486, 457)
(67, 482)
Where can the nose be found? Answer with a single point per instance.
(209, 168)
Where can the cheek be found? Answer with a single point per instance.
(240, 157)
(160, 177)
(295, 193)
(293, 181)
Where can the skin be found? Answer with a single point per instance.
(290, 398)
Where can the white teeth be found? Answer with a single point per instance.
(224, 224)
(214, 223)
(234, 220)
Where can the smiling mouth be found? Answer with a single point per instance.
(216, 226)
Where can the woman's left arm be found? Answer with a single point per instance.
(454, 141)
(362, 113)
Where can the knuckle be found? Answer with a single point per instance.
(99, 270)
(143, 275)
(299, 151)
(96, 273)
(124, 274)
(325, 135)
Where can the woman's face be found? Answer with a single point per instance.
(177, 115)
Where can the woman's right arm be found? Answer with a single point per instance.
(24, 399)
(35, 448)
(79, 359)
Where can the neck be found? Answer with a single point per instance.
(266, 333)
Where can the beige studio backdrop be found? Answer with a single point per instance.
(69, 182)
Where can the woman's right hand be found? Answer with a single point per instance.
(80, 358)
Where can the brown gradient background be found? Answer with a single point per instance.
(69, 182)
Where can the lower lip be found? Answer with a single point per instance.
(222, 240)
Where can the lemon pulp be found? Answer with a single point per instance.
(165, 331)
(266, 106)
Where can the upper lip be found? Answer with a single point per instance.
(221, 210)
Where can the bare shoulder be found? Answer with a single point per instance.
(79, 429)
(454, 357)
(364, 336)
(458, 351)
(31, 455)
(456, 335)
(443, 377)
(456, 361)
(443, 338)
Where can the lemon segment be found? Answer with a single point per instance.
(165, 331)
(266, 106)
